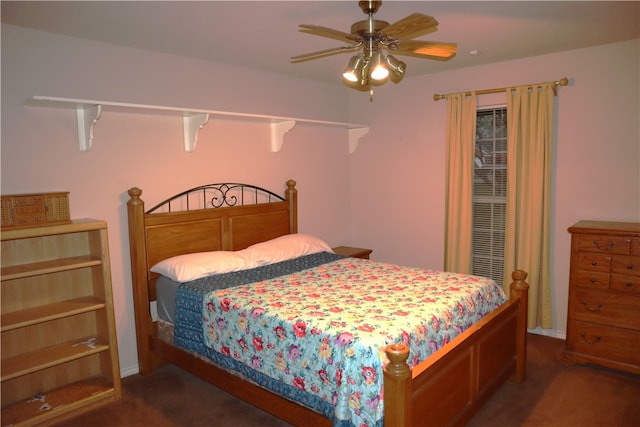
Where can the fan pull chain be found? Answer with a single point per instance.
(371, 95)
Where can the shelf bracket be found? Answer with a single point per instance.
(278, 129)
(354, 136)
(88, 116)
(192, 123)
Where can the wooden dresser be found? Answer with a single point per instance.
(603, 321)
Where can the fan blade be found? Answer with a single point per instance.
(412, 26)
(431, 50)
(317, 30)
(323, 53)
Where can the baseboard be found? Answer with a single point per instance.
(131, 370)
(549, 333)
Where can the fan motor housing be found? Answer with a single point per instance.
(361, 28)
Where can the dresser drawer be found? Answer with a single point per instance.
(605, 308)
(604, 244)
(626, 265)
(602, 341)
(635, 247)
(592, 279)
(624, 283)
(594, 262)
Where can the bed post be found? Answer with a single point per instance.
(291, 194)
(519, 289)
(137, 242)
(397, 387)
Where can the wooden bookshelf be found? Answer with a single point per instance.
(59, 354)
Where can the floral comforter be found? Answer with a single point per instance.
(318, 335)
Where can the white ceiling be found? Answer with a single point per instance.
(264, 34)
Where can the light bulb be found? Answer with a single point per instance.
(350, 75)
(379, 72)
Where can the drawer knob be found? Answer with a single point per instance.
(630, 267)
(597, 308)
(588, 341)
(593, 263)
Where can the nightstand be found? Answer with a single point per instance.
(353, 252)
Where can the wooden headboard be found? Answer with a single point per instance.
(227, 216)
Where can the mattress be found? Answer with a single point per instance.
(166, 289)
(313, 329)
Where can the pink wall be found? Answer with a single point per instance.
(388, 195)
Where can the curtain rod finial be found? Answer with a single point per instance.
(437, 97)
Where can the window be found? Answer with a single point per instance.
(490, 193)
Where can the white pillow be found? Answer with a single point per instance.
(285, 247)
(184, 268)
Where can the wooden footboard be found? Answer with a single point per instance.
(450, 386)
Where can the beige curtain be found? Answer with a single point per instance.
(527, 240)
(461, 136)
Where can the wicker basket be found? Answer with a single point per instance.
(30, 210)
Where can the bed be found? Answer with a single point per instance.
(446, 388)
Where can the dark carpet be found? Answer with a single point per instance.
(554, 395)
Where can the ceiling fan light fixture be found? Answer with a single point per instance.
(379, 71)
(362, 85)
(354, 69)
(397, 68)
(360, 71)
(365, 72)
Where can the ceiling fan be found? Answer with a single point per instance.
(376, 39)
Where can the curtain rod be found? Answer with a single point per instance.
(562, 82)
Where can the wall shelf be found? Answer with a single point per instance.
(88, 113)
